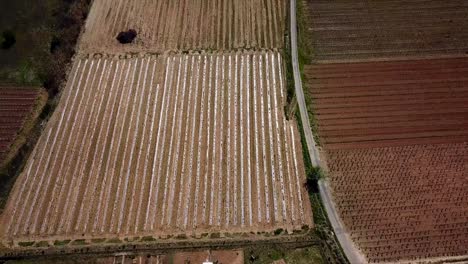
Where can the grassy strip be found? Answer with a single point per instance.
(323, 229)
(62, 242)
(268, 254)
(305, 57)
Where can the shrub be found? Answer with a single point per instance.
(126, 37)
(26, 244)
(278, 231)
(148, 239)
(313, 176)
(7, 39)
(61, 242)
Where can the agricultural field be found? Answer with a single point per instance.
(16, 105)
(406, 202)
(367, 30)
(396, 144)
(164, 145)
(166, 25)
(393, 103)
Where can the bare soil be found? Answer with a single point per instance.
(127, 132)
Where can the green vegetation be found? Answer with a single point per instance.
(62, 242)
(278, 231)
(76, 259)
(26, 243)
(268, 254)
(38, 39)
(42, 244)
(323, 229)
(44, 34)
(98, 240)
(148, 239)
(79, 242)
(7, 39)
(182, 236)
(305, 57)
(115, 240)
(304, 256)
(215, 235)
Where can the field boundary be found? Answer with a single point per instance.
(21, 147)
(352, 253)
(295, 241)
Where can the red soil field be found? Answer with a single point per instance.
(391, 103)
(395, 138)
(405, 202)
(15, 105)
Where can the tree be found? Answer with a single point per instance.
(7, 39)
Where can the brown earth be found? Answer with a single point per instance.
(218, 256)
(128, 133)
(16, 108)
(396, 143)
(166, 25)
(343, 30)
(390, 103)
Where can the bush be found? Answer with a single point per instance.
(114, 241)
(7, 39)
(26, 244)
(313, 176)
(181, 236)
(147, 239)
(126, 37)
(42, 244)
(79, 242)
(61, 242)
(278, 231)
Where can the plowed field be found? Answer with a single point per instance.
(16, 103)
(361, 30)
(396, 140)
(407, 202)
(162, 145)
(164, 25)
(391, 103)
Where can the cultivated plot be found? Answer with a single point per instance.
(16, 104)
(390, 103)
(362, 30)
(164, 25)
(407, 202)
(395, 135)
(164, 145)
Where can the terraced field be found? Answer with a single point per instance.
(396, 141)
(362, 30)
(160, 145)
(164, 25)
(16, 104)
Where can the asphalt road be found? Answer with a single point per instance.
(311, 146)
(352, 253)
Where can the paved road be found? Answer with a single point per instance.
(349, 248)
(352, 253)
(311, 146)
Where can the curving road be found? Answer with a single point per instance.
(352, 253)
